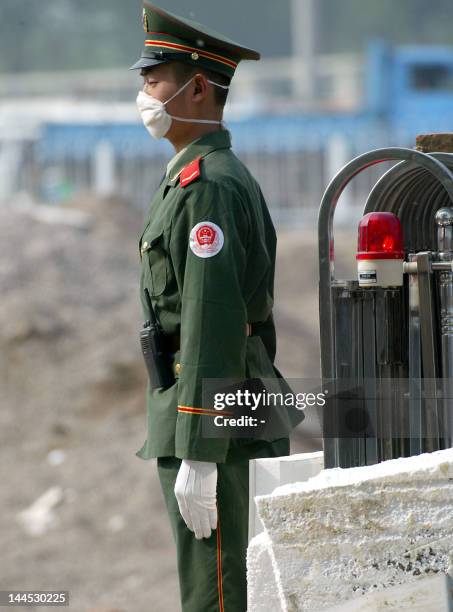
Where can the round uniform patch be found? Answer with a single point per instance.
(206, 239)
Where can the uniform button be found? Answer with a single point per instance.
(195, 55)
(144, 245)
(178, 368)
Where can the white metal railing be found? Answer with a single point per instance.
(292, 181)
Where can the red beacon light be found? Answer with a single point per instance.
(380, 252)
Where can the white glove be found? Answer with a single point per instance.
(195, 490)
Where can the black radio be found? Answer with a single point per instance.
(157, 359)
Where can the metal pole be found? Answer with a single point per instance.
(429, 350)
(444, 221)
(415, 367)
(303, 26)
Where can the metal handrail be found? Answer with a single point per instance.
(325, 231)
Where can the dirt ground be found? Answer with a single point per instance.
(72, 403)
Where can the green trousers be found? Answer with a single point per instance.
(212, 571)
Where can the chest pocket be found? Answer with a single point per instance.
(154, 261)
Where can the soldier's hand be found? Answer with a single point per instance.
(195, 491)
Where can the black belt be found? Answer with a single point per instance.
(173, 341)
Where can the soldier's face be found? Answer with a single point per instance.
(160, 82)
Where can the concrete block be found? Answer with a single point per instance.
(434, 594)
(349, 533)
(268, 473)
(262, 586)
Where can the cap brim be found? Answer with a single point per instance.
(147, 62)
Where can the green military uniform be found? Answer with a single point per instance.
(207, 259)
(207, 300)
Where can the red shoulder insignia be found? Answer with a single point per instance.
(190, 173)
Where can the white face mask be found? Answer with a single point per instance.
(155, 117)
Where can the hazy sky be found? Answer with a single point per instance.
(66, 34)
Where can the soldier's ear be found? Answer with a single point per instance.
(200, 86)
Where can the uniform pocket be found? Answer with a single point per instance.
(279, 409)
(257, 360)
(154, 256)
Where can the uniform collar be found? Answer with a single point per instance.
(219, 139)
(174, 161)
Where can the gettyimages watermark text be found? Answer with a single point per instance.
(269, 408)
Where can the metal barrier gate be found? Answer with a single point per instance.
(387, 346)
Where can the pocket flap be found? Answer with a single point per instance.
(149, 240)
(154, 256)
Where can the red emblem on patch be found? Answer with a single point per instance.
(206, 235)
(190, 173)
(206, 239)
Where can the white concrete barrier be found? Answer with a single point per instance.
(434, 594)
(263, 593)
(347, 534)
(267, 474)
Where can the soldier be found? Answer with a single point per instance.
(207, 262)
